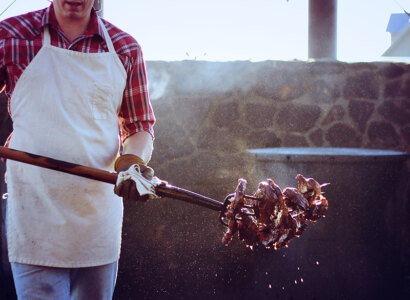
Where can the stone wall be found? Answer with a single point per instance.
(209, 113)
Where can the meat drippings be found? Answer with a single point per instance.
(277, 216)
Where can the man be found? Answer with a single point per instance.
(69, 76)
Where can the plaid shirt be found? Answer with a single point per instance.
(21, 39)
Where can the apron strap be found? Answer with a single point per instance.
(46, 36)
(107, 37)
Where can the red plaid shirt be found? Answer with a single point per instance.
(21, 39)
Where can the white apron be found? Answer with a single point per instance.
(65, 106)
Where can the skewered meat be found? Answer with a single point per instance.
(233, 210)
(272, 217)
(312, 191)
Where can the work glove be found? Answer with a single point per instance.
(135, 181)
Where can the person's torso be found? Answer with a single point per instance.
(65, 106)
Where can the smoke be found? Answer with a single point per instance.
(158, 80)
(199, 77)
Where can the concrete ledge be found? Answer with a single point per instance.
(299, 154)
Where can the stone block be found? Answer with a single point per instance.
(171, 140)
(392, 89)
(281, 84)
(293, 140)
(163, 107)
(317, 137)
(217, 140)
(239, 130)
(262, 139)
(192, 112)
(259, 115)
(336, 113)
(405, 131)
(406, 89)
(343, 135)
(363, 85)
(298, 117)
(360, 112)
(382, 135)
(397, 89)
(225, 114)
(396, 111)
(324, 91)
(391, 70)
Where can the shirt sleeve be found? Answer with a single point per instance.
(2, 67)
(136, 112)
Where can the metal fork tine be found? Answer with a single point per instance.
(248, 213)
(245, 196)
(252, 197)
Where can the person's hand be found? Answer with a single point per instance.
(135, 179)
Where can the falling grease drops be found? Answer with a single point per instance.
(301, 280)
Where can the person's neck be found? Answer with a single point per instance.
(72, 28)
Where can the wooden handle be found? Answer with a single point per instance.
(166, 190)
(58, 165)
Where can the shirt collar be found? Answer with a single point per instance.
(93, 27)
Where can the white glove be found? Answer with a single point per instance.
(137, 183)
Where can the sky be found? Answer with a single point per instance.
(255, 30)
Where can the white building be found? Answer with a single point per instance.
(399, 28)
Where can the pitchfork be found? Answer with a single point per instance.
(164, 190)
